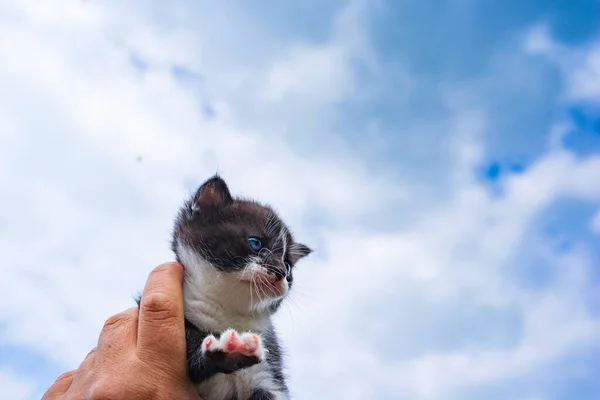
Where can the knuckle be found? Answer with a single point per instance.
(111, 387)
(101, 391)
(158, 306)
(65, 376)
(92, 352)
(116, 320)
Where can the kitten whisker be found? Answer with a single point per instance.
(260, 288)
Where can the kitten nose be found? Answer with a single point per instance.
(278, 272)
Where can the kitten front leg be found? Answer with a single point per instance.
(231, 352)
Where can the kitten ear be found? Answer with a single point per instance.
(298, 251)
(213, 192)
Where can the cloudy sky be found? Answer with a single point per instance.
(442, 158)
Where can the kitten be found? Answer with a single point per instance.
(239, 259)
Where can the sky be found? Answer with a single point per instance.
(441, 158)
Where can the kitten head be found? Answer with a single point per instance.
(243, 244)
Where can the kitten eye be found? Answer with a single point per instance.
(255, 243)
(288, 267)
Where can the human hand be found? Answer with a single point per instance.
(141, 354)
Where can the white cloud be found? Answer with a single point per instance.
(315, 74)
(84, 222)
(585, 79)
(321, 74)
(580, 65)
(539, 40)
(13, 387)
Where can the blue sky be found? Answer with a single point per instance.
(442, 159)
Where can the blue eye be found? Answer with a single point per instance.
(255, 243)
(288, 267)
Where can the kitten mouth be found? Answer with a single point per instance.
(268, 285)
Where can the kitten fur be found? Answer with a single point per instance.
(232, 287)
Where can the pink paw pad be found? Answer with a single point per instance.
(230, 340)
(250, 342)
(209, 343)
(247, 344)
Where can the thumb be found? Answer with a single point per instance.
(161, 331)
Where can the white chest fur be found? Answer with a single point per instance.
(217, 301)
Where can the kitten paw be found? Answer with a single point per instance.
(233, 351)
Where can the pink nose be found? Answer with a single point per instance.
(275, 273)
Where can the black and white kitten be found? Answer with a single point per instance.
(239, 258)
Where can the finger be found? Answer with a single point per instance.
(88, 362)
(118, 336)
(60, 386)
(85, 370)
(161, 330)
